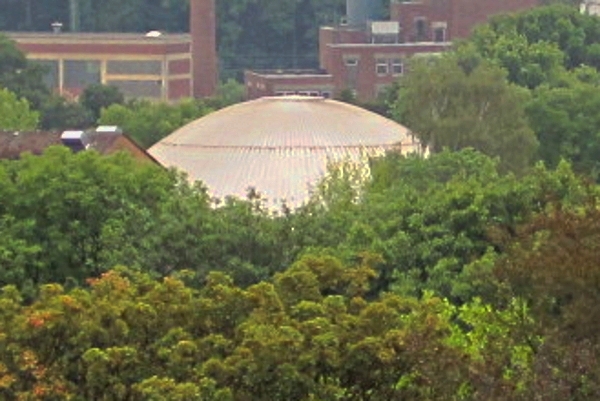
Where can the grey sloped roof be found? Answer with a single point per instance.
(278, 145)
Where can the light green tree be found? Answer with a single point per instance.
(15, 113)
(449, 106)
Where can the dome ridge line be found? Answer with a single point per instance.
(260, 147)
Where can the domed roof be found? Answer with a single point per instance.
(278, 145)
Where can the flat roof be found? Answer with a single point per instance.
(95, 37)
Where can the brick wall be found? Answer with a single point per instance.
(363, 77)
(430, 11)
(461, 16)
(179, 88)
(204, 47)
(466, 14)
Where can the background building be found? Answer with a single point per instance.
(365, 55)
(154, 66)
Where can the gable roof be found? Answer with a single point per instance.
(14, 143)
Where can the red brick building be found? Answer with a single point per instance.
(365, 55)
(155, 66)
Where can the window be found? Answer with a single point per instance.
(381, 66)
(351, 61)
(397, 66)
(50, 70)
(81, 73)
(420, 29)
(133, 67)
(439, 35)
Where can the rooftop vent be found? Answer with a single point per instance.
(75, 140)
(109, 129)
(56, 26)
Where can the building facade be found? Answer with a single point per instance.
(153, 66)
(142, 67)
(365, 55)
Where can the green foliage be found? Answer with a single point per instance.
(432, 220)
(441, 278)
(19, 76)
(128, 336)
(70, 214)
(544, 268)
(15, 113)
(148, 122)
(59, 113)
(566, 121)
(448, 107)
(550, 57)
(230, 92)
(540, 30)
(98, 97)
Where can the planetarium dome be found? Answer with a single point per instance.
(280, 146)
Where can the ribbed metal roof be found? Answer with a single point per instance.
(278, 145)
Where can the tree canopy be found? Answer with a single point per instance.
(449, 106)
(534, 71)
(468, 275)
(15, 113)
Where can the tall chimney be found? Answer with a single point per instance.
(204, 47)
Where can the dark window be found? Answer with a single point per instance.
(381, 66)
(131, 67)
(50, 68)
(397, 66)
(440, 35)
(420, 29)
(81, 73)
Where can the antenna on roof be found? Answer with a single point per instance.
(56, 26)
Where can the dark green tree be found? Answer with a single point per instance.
(95, 98)
(59, 113)
(19, 76)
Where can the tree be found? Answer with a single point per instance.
(551, 265)
(98, 97)
(449, 106)
(20, 76)
(567, 125)
(59, 113)
(15, 113)
(73, 216)
(149, 122)
(530, 39)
